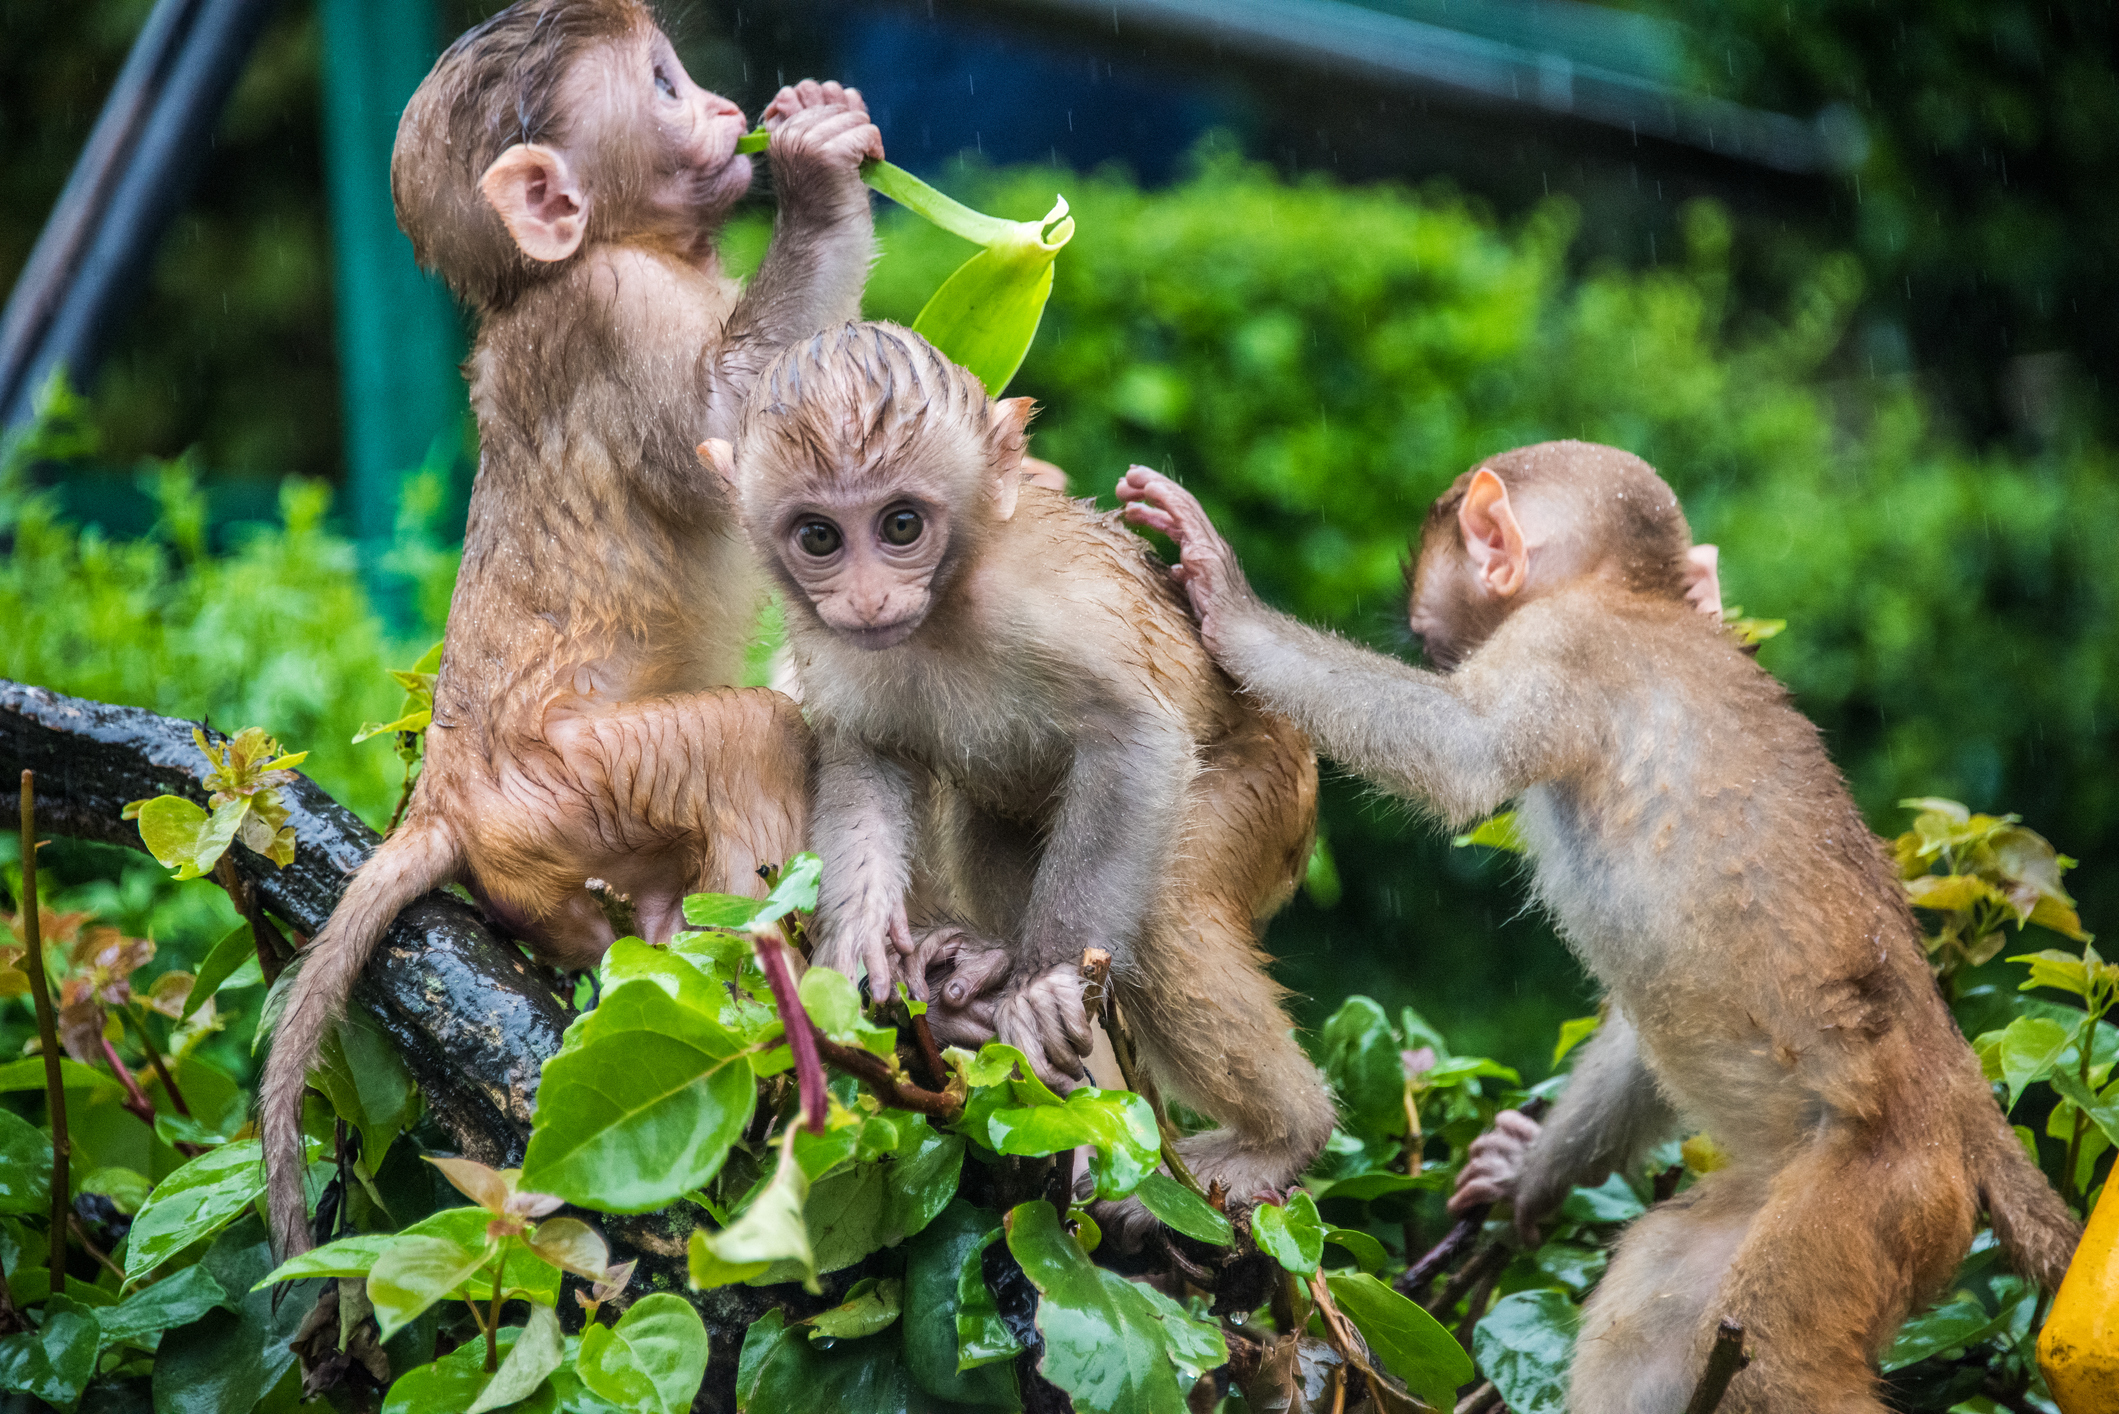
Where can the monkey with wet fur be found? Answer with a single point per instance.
(1703, 858)
(1023, 750)
(568, 179)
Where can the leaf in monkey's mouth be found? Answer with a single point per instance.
(985, 315)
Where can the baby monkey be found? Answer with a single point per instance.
(1023, 750)
(1704, 859)
(569, 181)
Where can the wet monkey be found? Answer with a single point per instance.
(1702, 856)
(1023, 750)
(568, 179)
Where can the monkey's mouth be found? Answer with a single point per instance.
(876, 637)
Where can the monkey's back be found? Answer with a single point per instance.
(1705, 858)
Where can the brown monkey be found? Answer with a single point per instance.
(568, 178)
(1020, 737)
(1704, 859)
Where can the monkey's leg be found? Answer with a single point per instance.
(1861, 1227)
(682, 794)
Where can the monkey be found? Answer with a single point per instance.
(1022, 746)
(1704, 859)
(566, 177)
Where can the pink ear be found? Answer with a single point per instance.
(1008, 421)
(539, 201)
(1493, 539)
(720, 458)
(1703, 580)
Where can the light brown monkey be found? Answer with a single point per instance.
(1020, 737)
(565, 175)
(1703, 857)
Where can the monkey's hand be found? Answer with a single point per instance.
(1493, 1168)
(820, 137)
(868, 942)
(964, 976)
(1047, 1019)
(1207, 567)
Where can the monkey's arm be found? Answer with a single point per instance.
(1611, 1115)
(1117, 818)
(863, 828)
(823, 238)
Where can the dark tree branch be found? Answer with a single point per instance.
(473, 1019)
(1723, 1362)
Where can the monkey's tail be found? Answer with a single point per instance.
(423, 854)
(2033, 1226)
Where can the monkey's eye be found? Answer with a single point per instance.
(662, 82)
(818, 537)
(900, 527)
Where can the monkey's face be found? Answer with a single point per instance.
(867, 562)
(1450, 612)
(682, 139)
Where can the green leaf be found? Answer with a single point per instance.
(1574, 1266)
(935, 1263)
(1366, 1187)
(1412, 1345)
(1292, 1235)
(2029, 1046)
(1525, 1345)
(2102, 1110)
(1611, 1201)
(1114, 1346)
(983, 1336)
(348, 1257)
(1497, 833)
(536, 1353)
(865, 1207)
(235, 948)
(1184, 1210)
(1572, 1034)
(718, 910)
(25, 1166)
(781, 1373)
(872, 1304)
(1367, 1252)
(227, 1359)
(631, 960)
(835, 1006)
(455, 1381)
(182, 836)
(28, 1074)
(797, 890)
(654, 1359)
(1952, 1325)
(53, 1363)
(2062, 971)
(1361, 1057)
(769, 1231)
(415, 1272)
(1024, 1117)
(640, 1105)
(173, 1301)
(366, 1083)
(196, 1201)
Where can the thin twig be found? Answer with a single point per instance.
(154, 1058)
(1122, 1052)
(47, 1029)
(1727, 1357)
(802, 1037)
(930, 1053)
(875, 1072)
(135, 1098)
(1462, 1234)
(1481, 1400)
(1484, 1263)
(271, 947)
(80, 1233)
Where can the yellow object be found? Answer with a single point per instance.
(2079, 1347)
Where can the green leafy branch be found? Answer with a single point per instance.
(246, 772)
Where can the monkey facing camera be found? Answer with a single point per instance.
(1702, 856)
(1023, 750)
(569, 181)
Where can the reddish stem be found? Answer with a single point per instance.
(801, 1033)
(135, 1098)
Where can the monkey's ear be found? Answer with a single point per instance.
(539, 200)
(1703, 580)
(719, 457)
(1008, 421)
(1492, 536)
